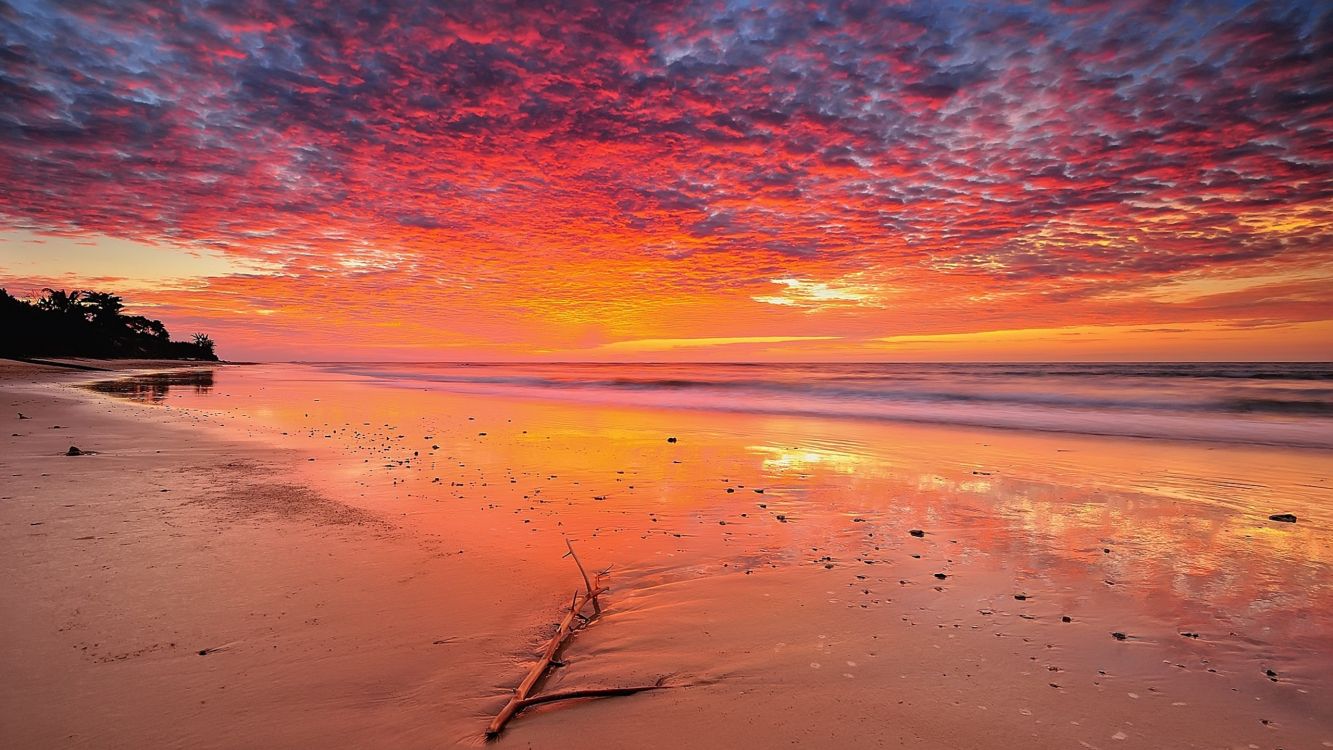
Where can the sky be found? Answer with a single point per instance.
(727, 181)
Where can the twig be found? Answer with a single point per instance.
(596, 606)
(569, 695)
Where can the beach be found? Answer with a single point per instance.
(352, 556)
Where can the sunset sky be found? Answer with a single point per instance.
(334, 179)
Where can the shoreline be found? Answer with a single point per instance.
(353, 600)
(175, 588)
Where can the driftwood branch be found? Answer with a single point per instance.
(574, 619)
(567, 627)
(581, 599)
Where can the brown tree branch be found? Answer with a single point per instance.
(569, 695)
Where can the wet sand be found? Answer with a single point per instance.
(364, 564)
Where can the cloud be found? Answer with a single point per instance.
(656, 152)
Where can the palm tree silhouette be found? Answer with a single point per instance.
(57, 300)
(88, 324)
(204, 342)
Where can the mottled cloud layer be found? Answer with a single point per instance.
(570, 175)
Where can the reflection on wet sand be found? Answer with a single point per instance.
(154, 387)
(1151, 539)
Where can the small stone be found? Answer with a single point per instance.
(782, 518)
(917, 532)
(1119, 636)
(671, 440)
(1066, 618)
(1283, 517)
(1021, 597)
(73, 451)
(941, 576)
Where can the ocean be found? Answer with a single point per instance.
(1281, 404)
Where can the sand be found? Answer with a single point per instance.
(363, 565)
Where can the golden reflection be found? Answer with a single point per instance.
(1168, 531)
(804, 460)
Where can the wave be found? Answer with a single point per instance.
(890, 391)
(1286, 404)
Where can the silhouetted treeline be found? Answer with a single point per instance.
(88, 324)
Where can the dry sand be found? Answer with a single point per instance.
(351, 584)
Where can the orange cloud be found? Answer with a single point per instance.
(501, 180)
